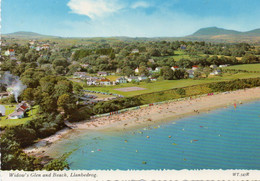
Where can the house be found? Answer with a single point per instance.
(150, 69)
(45, 46)
(183, 47)
(103, 56)
(135, 51)
(191, 73)
(38, 48)
(151, 61)
(213, 66)
(215, 72)
(4, 95)
(142, 77)
(137, 70)
(195, 67)
(20, 111)
(175, 68)
(10, 52)
(92, 81)
(121, 80)
(102, 74)
(158, 69)
(118, 70)
(84, 65)
(105, 82)
(132, 78)
(13, 58)
(153, 79)
(223, 65)
(80, 74)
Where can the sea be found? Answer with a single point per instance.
(225, 138)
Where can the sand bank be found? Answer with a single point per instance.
(152, 115)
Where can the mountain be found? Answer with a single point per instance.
(213, 31)
(26, 34)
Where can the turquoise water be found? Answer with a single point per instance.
(226, 139)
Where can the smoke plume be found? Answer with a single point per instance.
(13, 84)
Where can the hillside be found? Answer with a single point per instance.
(26, 35)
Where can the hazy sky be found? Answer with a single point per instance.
(135, 18)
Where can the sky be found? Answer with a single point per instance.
(133, 18)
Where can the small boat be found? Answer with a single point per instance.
(126, 141)
(174, 144)
(195, 140)
(201, 126)
(170, 136)
(99, 150)
(147, 136)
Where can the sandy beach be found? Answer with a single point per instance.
(152, 115)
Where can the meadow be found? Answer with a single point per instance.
(247, 67)
(161, 85)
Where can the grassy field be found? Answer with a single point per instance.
(169, 84)
(248, 67)
(14, 122)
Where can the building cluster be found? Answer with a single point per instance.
(38, 46)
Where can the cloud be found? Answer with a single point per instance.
(140, 4)
(94, 8)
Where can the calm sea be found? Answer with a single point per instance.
(225, 138)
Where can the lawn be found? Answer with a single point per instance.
(248, 67)
(14, 122)
(169, 84)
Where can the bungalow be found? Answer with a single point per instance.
(121, 80)
(118, 70)
(158, 69)
(104, 82)
(132, 78)
(103, 56)
(135, 51)
(80, 74)
(151, 61)
(150, 69)
(91, 81)
(213, 66)
(191, 73)
(102, 74)
(153, 79)
(4, 95)
(142, 77)
(137, 70)
(38, 48)
(84, 65)
(19, 111)
(10, 52)
(45, 46)
(195, 67)
(215, 72)
(175, 68)
(223, 65)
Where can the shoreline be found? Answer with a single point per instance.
(149, 116)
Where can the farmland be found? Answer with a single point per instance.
(247, 67)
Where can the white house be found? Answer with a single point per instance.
(153, 79)
(151, 61)
(223, 65)
(158, 69)
(191, 73)
(38, 48)
(142, 78)
(80, 74)
(175, 68)
(129, 79)
(103, 56)
(213, 66)
(121, 80)
(102, 74)
(135, 51)
(104, 82)
(118, 70)
(137, 70)
(195, 67)
(150, 69)
(215, 72)
(92, 82)
(10, 52)
(84, 65)
(19, 111)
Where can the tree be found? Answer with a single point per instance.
(143, 71)
(166, 73)
(28, 94)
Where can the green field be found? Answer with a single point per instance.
(248, 67)
(4, 122)
(169, 84)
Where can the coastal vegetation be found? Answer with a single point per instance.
(47, 71)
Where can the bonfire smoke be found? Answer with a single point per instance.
(13, 84)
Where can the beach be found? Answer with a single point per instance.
(151, 115)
